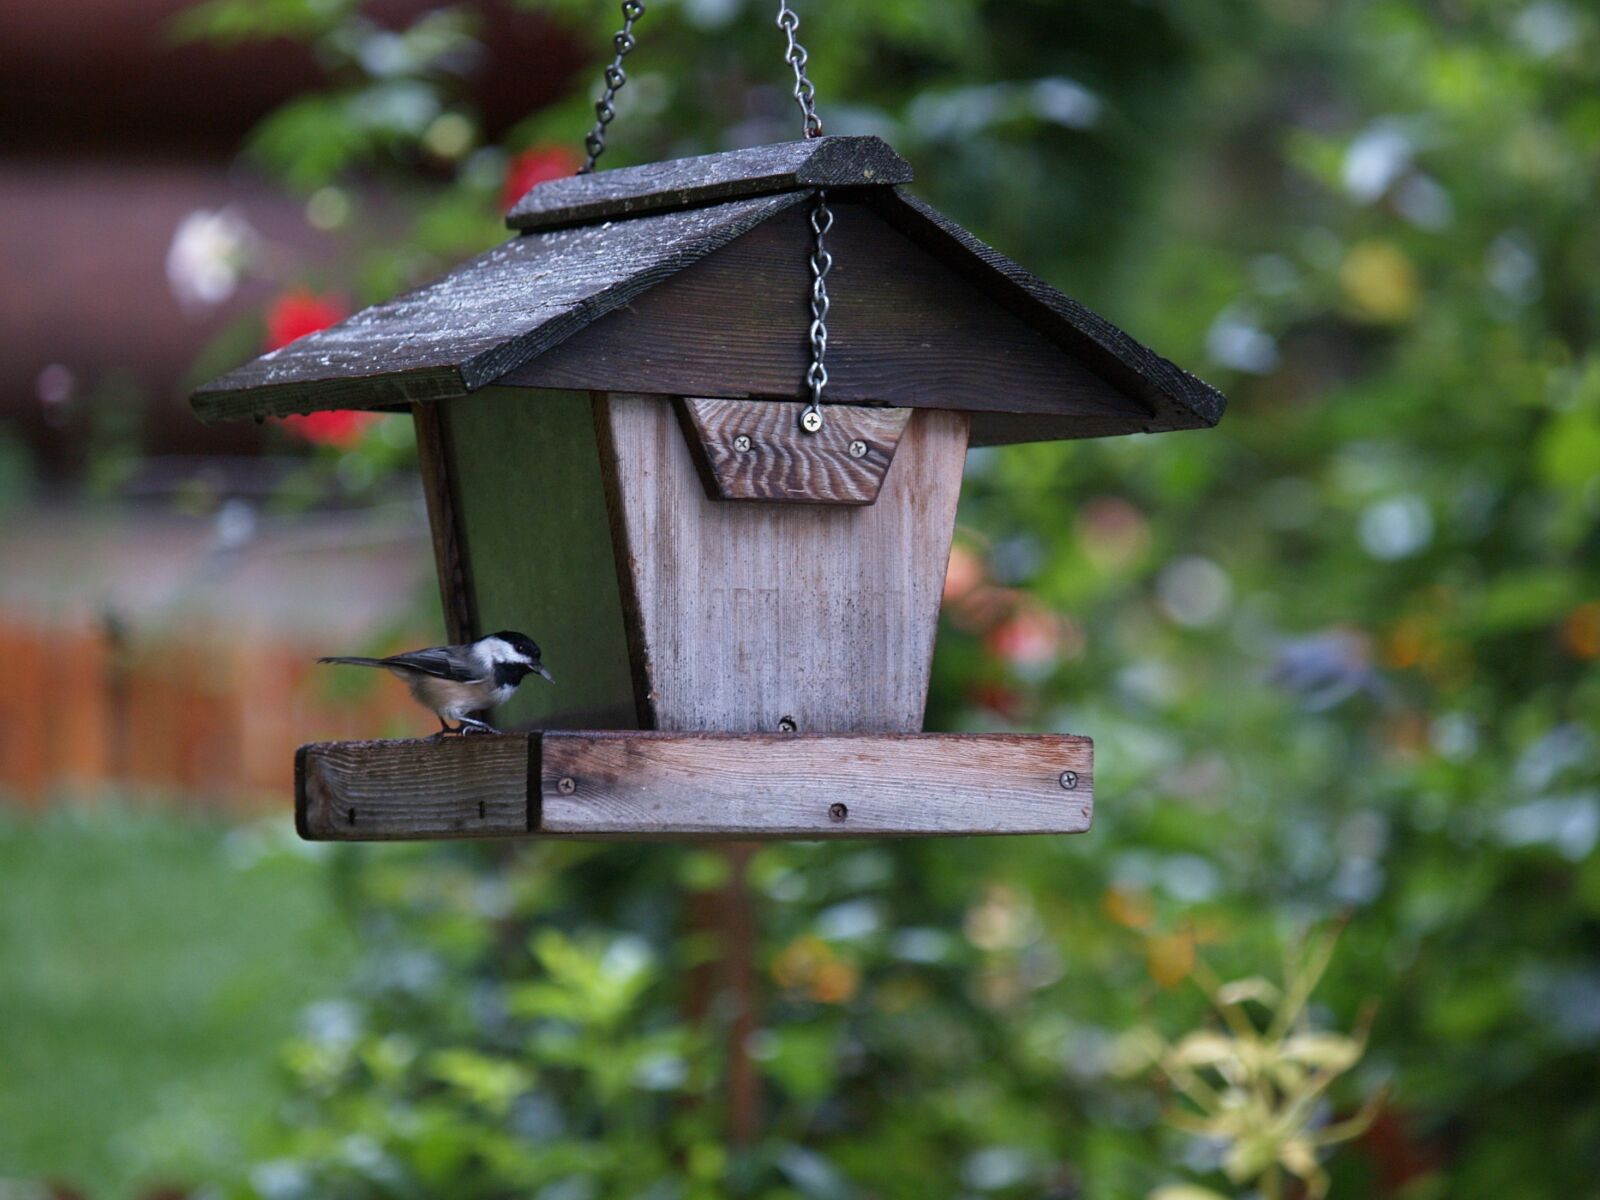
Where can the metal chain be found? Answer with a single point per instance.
(821, 263)
(615, 78)
(805, 95)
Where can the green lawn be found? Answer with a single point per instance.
(150, 966)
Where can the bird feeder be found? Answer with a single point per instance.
(740, 613)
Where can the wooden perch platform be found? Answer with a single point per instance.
(666, 786)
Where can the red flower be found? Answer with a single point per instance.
(297, 313)
(536, 166)
(293, 315)
(341, 427)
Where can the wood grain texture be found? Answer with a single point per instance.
(434, 458)
(467, 329)
(387, 791)
(756, 450)
(709, 178)
(904, 329)
(743, 615)
(654, 786)
(773, 786)
(534, 517)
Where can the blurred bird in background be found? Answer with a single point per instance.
(455, 681)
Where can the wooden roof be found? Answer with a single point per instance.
(595, 243)
(710, 178)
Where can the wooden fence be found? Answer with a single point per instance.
(209, 717)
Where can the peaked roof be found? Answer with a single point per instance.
(592, 243)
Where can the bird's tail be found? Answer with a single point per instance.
(355, 662)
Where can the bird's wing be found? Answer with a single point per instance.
(456, 663)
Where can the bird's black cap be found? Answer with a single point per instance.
(520, 642)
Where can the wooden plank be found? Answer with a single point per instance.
(467, 329)
(653, 786)
(744, 616)
(708, 178)
(434, 457)
(538, 537)
(751, 450)
(904, 329)
(774, 786)
(389, 791)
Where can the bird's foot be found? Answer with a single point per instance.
(473, 725)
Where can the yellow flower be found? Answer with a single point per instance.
(1379, 282)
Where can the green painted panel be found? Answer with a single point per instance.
(538, 547)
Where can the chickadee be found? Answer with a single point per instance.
(454, 681)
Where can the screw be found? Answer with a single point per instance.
(787, 725)
(811, 420)
(858, 449)
(1069, 779)
(742, 443)
(838, 812)
(567, 785)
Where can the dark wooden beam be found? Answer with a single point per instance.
(659, 786)
(434, 462)
(709, 178)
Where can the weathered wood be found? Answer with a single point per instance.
(924, 316)
(653, 786)
(743, 616)
(709, 178)
(537, 532)
(903, 329)
(1177, 399)
(755, 450)
(493, 313)
(386, 791)
(449, 549)
(753, 786)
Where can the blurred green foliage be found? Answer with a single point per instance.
(150, 966)
(1338, 655)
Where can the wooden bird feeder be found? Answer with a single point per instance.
(740, 614)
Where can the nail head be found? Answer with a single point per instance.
(1069, 780)
(567, 785)
(858, 449)
(742, 443)
(837, 812)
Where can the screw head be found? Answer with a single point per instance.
(786, 725)
(1069, 780)
(742, 443)
(567, 785)
(811, 420)
(837, 812)
(858, 449)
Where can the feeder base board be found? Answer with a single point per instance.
(648, 786)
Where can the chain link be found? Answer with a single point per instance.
(616, 78)
(821, 263)
(805, 95)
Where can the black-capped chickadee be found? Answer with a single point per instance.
(455, 681)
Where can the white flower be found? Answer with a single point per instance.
(209, 252)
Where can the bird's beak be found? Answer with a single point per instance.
(543, 671)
